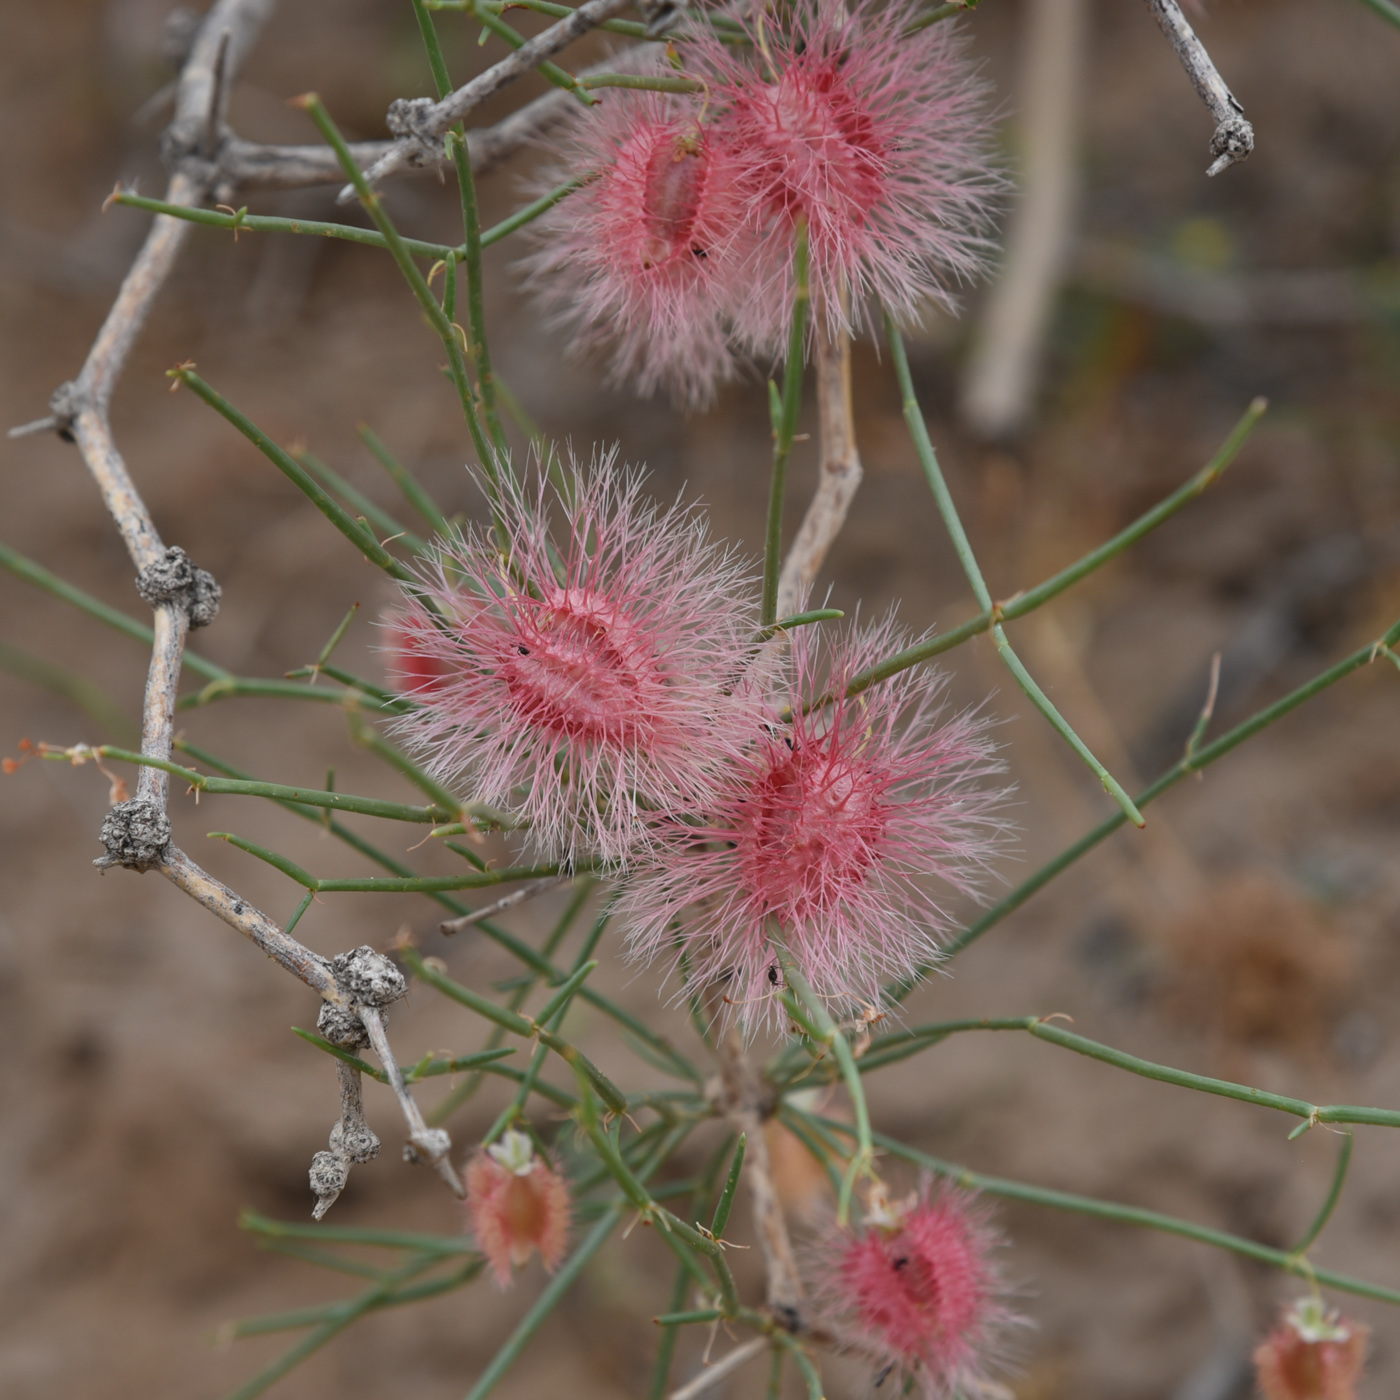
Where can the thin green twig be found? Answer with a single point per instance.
(784, 411)
(913, 415)
(1192, 763)
(1124, 1214)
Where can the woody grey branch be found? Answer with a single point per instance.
(839, 472)
(1234, 136)
(420, 124)
(252, 165)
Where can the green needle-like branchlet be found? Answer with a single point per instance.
(447, 331)
(1291, 1263)
(1192, 763)
(784, 414)
(343, 521)
(913, 415)
(1042, 593)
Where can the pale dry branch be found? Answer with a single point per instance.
(1234, 136)
(432, 1145)
(1004, 367)
(743, 1098)
(712, 1375)
(419, 124)
(839, 472)
(239, 914)
(507, 901)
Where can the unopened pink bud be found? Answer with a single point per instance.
(915, 1291)
(517, 1204)
(1312, 1354)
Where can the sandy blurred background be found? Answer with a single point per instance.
(152, 1086)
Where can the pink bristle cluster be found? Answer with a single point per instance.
(679, 253)
(646, 257)
(825, 837)
(875, 136)
(916, 1292)
(583, 675)
(1312, 1354)
(514, 1214)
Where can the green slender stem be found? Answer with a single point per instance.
(530, 212)
(335, 640)
(297, 1318)
(490, 19)
(666, 1349)
(241, 220)
(775, 1373)
(1333, 1196)
(256, 1223)
(385, 700)
(674, 1230)
(21, 566)
(87, 695)
(810, 1375)
(228, 687)
(464, 1091)
(407, 483)
(281, 792)
(476, 306)
(888, 1049)
(552, 1016)
(403, 257)
(343, 521)
(517, 1024)
(731, 1185)
(940, 13)
(1386, 9)
(684, 1319)
(1127, 1215)
(802, 619)
(339, 1317)
(1193, 763)
(784, 413)
(386, 884)
(376, 515)
(1042, 593)
(641, 82)
(918, 429)
(368, 737)
(825, 1030)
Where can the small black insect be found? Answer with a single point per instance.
(522, 649)
(699, 252)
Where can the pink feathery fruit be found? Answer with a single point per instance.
(871, 131)
(644, 258)
(1312, 1354)
(516, 1204)
(915, 1290)
(824, 839)
(415, 670)
(582, 674)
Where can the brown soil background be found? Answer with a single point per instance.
(152, 1087)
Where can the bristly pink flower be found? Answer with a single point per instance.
(1312, 1354)
(580, 676)
(516, 1204)
(645, 258)
(824, 837)
(915, 1290)
(876, 136)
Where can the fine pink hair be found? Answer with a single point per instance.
(511, 1216)
(582, 673)
(827, 836)
(873, 134)
(645, 259)
(918, 1295)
